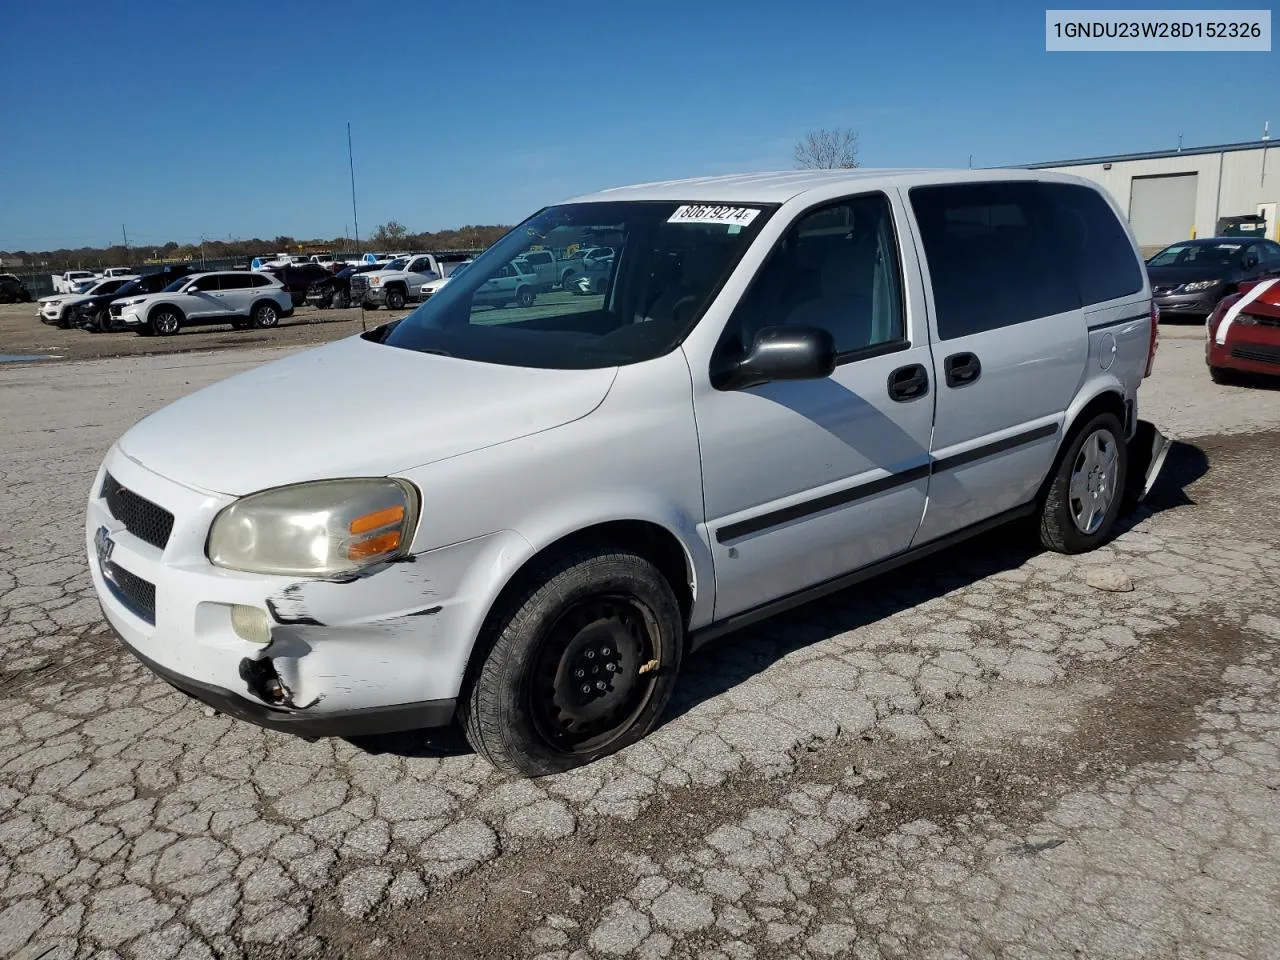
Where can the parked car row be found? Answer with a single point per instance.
(162, 303)
(1231, 283)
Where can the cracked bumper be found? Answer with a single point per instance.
(302, 722)
(383, 651)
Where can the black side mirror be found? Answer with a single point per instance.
(781, 353)
(1249, 262)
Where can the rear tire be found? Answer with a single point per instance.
(564, 680)
(342, 300)
(265, 315)
(1086, 493)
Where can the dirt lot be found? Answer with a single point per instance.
(982, 755)
(21, 332)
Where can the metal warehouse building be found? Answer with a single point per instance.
(1175, 194)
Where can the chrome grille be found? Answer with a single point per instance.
(140, 516)
(359, 287)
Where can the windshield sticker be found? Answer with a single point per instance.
(709, 213)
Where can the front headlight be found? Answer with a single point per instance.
(375, 281)
(1198, 285)
(318, 529)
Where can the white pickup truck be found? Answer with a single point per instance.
(73, 281)
(401, 280)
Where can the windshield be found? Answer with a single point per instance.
(176, 285)
(397, 264)
(131, 287)
(670, 260)
(1197, 254)
(457, 270)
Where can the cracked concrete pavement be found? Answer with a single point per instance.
(978, 755)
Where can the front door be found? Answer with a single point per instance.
(201, 299)
(807, 480)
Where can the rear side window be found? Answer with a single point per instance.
(261, 280)
(993, 257)
(1093, 239)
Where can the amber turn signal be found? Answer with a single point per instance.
(379, 518)
(374, 546)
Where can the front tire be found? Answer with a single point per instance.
(342, 300)
(164, 322)
(395, 300)
(525, 297)
(1087, 490)
(583, 662)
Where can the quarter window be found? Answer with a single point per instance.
(993, 256)
(1094, 242)
(836, 268)
(235, 281)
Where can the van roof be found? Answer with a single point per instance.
(781, 186)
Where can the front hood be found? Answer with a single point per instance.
(352, 408)
(56, 297)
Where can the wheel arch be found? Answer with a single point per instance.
(151, 310)
(267, 301)
(650, 539)
(1106, 397)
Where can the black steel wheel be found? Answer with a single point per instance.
(580, 663)
(525, 296)
(395, 300)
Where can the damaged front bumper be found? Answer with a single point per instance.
(362, 722)
(377, 652)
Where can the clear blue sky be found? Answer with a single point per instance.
(229, 118)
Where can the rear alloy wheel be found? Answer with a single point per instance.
(583, 664)
(265, 315)
(1087, 489)
(165, 322)
(525, 296)
(395, 300)
(567, 281)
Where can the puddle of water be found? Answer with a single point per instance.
(15, 357)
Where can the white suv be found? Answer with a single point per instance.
(787, 383)
(243, 299)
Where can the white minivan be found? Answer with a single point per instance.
(525, 515)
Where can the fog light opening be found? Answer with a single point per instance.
(263, 682)
(250, 624)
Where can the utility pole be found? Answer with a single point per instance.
(124, 233)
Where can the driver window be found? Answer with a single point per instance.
(837, 268)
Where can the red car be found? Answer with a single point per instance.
(1243, 333)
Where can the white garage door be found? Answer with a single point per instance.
(1163, 209)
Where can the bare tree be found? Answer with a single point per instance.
(828, 150)
(390, 233)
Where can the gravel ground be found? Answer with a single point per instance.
(983, 754)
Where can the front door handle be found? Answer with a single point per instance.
(908, 383)
(961, 369)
